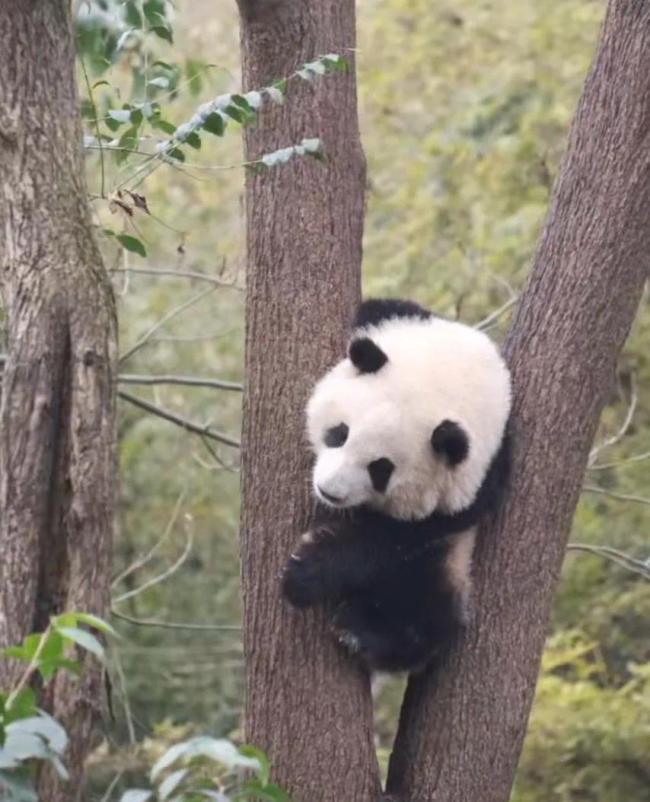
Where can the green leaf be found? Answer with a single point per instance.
(193, 71)
(193, 140)
(165, 126)
(254, 99)
(242, 102)
(128, 141)
(214, 124)
(265, 767)
(163, 32)
(176, 153)
(236, 113)
(80, 636)
(161, 82)
(23, 706)
(132, 244)
(155, 12)
(133, 16)
(275, 95)
(120, 116)
(45, 727)
(72, 619)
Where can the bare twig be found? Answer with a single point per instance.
(125, 698)
(156, 580)
(165, 319)
(112, 786)
(614, 555)
(142, 561)
(154, 271)
(617, 496)
(30, 670)
(144, 622)
(610, 441)
(190, 381)
(620, 463)
(205, 431)
(493, 316)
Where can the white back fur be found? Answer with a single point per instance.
(436, 370)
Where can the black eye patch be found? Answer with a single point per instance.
(449, 440)
(380, 471)
(336, 436)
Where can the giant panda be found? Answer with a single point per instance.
(409, 438)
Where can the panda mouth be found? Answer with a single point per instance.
(335, 501)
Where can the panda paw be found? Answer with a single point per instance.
(302, 578)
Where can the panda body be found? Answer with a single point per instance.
(410, 451)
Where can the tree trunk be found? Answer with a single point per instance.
(57, 415)
(306, 706)
(461, 731)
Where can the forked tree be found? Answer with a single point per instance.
(461, 729)
(57, 415)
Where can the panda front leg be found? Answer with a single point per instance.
(325, 566)
(310, 575)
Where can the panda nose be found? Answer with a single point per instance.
(329, 497)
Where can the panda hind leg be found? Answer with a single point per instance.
(458, 568)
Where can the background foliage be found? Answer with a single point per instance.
(465, 109)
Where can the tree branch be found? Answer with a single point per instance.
(205, 431)
(189, 381)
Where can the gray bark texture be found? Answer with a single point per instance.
(306, 705)
(462, 727)
(57, 413)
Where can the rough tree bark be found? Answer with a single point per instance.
(57, 415)
(307, 707)
(461, 731)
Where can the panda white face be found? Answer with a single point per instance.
(410, 421)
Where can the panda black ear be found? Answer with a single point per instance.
(366, 356)
(449, 440)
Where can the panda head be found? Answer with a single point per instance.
(409, 422)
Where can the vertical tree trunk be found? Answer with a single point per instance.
(306, 706)
(461, 731)
(57, 415)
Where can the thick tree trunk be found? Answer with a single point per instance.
(461, 731)
(306, 706)
(57, 416)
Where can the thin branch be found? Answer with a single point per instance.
(165, 319)
(617, 496)
(142, 561)
(196, 428)
(619, 463)
(153, 271)
(30, 670)
(113, 785)
(99, 136)
(620, 558)
(125, 698)
(493, 316)
(610, 441)
(156, 580)
(145, 622)
(190, 381)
